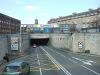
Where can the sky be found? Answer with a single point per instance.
(43, 10)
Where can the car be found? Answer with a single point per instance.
(34, 45)
(17, 68)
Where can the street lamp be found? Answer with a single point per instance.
(20, 43)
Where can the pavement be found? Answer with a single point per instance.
(40, 63)
(74, 64)
(46, 60)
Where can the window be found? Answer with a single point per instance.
(11, 69)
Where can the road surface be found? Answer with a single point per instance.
(46, 60)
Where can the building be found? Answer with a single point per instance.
(64, 28)
(90, 18)
(9, 25)
(91, 29)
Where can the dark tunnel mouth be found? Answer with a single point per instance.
(39, 41)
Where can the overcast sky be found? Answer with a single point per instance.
(28, 10)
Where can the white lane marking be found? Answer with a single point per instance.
(84, 62)
(62, 55)
(57, 52)
(91, 61)
(90, 70)
(72, 60)
(39, 62)
(40, 71)
(56, 62)
(88, 62)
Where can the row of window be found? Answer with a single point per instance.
(7, 31)
(7, 19)
(6, 26)
(73, 17)
(4, 22)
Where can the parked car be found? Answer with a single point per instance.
(17, 68)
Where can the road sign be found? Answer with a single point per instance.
(80, 45)
(14, 43)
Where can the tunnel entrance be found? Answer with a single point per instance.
(39, 41)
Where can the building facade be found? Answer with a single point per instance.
(86, 19)
(9, 25)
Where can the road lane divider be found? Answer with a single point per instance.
(87, 62)
(72, 60)
(63, 56)
(39, 62)
(56, 62)
(90, 70)
(57, 52)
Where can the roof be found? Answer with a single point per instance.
(16, 63)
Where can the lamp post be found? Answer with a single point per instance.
(20, 43)
(20, 40)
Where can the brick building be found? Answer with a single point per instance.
(9, 25)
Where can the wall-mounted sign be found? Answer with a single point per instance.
(80, 45)
(14, 43)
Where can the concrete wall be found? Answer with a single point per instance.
(77, 39)
(69, 41)
(57, 40)
(39, 35)
(61, 40)
(78, 42)
(25, 41)
(3, 46)
(89, 41)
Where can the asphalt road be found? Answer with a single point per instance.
(74, 64)
(46, 60)
(40, 63)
